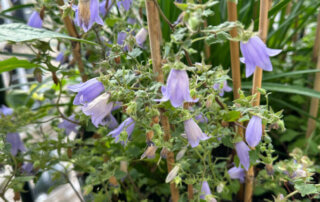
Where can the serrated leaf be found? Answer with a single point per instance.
(306, 189)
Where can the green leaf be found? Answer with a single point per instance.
(306, 189)
(17, 32)
(231, 116)
(13, 63)
(286, 74)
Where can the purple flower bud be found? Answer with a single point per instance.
(243, 154)
(201, 118)
(121, 37)
(256, 54)
(131, 21)
(180, 18)
(102, 7)
(35, 20)
(141, 36)
(223, 88)
(205, 191)
(98, 109)
(87, 15)
(5, 110)
(60, 57)
(27, 168)
(194, 132)
(125, 3)
(16, 143)
(150, 152)
(127, 125)
(237, 173)
(68, 126)
(254, 131)
(111, 122)
(87, 91)
(177, 89)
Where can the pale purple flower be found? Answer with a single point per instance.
(68, 126)
(111, 122)
(60, 57)
(254, 131)
(141, 36)
(131, 21)
(86, 24)
(121, 37)
(98, 109)
(5, 110)
(35, 20)
(256, 54)
(102, 7)
(87, 91)
(27, 168)
(125, 3)
(16, 143)
(243, 153)
(177, 89)
(201, 118)
(179, 19)
(237, 173)
(205, 191)
(127, 125)
(222, 88)
(150, 152)
(194, 132)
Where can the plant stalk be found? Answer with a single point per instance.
(317, 41)
(155, 37)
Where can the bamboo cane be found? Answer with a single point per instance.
(314, 105)
(155, 40)
(257, 78)
(317, 41)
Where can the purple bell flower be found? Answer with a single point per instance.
(237, 173)
(150, 152)
(223, 88)
(177, 89)
(205, 191)
(254, 131)
(127, 125)
(256, 54)
(194, 132)
(5, 110)
(60, 57)
(68, 126)
(102, 7)
(141, 36)
(131, 21)
(121, 37)
(35, 20)
(111, 122)
(87, 91)
(87, 13)
(125, 3)
(27, 168)
(201, 118)
(98, 109)
(16, 143)
(243, 154)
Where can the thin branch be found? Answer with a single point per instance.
(163, 15)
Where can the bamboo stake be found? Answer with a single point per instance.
(314, 105)
(257, 78)
(155, 40)
(317, 41)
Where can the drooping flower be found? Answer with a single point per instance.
(205, 191)
(68, 126)
(194, 132)
(127, 125)
(98, 109)
(177, 89)
(131, 21)
(87, 91)
(172, 174)
(125, 3)
(35, 20)
(237, 173)
(27, 168)
(87, 13)
(180, 18)
(150, 152)
(16, 143)
(111, 122)
(141, 36)
(103, 8)
(121, 37)
(222, 88)
(60, 57)
(254, 131)
(6, 110)
(201, 118)
(243, 154)
(256, 54)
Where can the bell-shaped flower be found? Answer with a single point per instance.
(98, 109)
(206, 192)
(237, 173)
(35, 20)
(16, 143)
(60, 57)
(121, 37)
(201, 118)
(256, 54)
(87, 91)
(102, 7)
(150, 152)
(222, 88)
(87, 13)
(254, 131)
(126, 4)
(243, 153)
(127, 125)
(177, 89)
(141, 36)
(5, 110)
(27, 168)
(111, 122)
(68, 126)
(194, 132)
